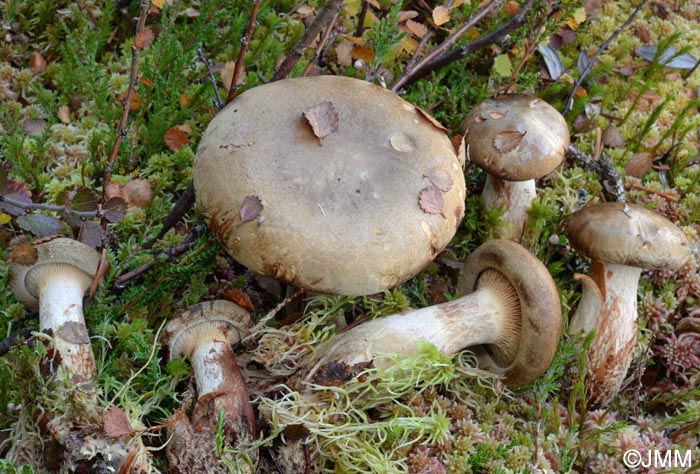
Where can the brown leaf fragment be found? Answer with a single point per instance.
(91, 234)
(642, 32)
(37, 62)
(407, 15)
(137, 193)
(639, 164)
(114, 209)
(416, 28)
(16, 191)
(430, 119)
(174, 139)
(240, 297)
(508, 140)
(34, 127)
(441, 15)
(116, 423)
(511, 8)
(363, 53)
(63, 114)
(440, 178)
(144, 38)
(612, 137)
(250, 209)
(496, 115)
(323, 119)
(431, 201)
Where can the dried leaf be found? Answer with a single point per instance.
(668, 57)
(343, 53)
(116, 423)
(17, 192)
(137, 193)
(323, 119)
(174, 138)
(582, 62)
(363, 53)
(144, 38)
(407, 15)
(91, 234)
(157, 3)
(555, 68)
(23, 253)
(430, 119)
(431, 201)
(240, 297)
(37, 61)
(502, 65)
(440, 178)
(63, 114)
(612, 137)
(84, 199)
(146, 82)
(34, 127)
(638, 165)
(416, 28)
(134, 103)
(40, 225)
(511, 8)
(642, 32)
(227, 75)
(496, 115)
(441, 15)
(508, 140)
(250, 209)
(114, 209)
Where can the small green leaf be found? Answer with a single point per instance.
(85, 199)
(4, 218)
(502, 65)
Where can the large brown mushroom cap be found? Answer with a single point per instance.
(356, 212)
(540, 309)
(516, 137)
(26, 270)
(641, 238)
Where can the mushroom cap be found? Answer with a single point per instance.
(641, 238)
(540, 308)
(357, 212)
(516, 137)
(26, 267)
(219, 319)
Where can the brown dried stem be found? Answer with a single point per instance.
(244, 47)
(324, 17)
(210, 74)
(589, 66)
(321, 45)
(414, 72)
(126, 101)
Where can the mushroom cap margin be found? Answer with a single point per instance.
(539, 303)
(49, 256)
(340, 215)
(538, 152)
(220, 317)
(641, 238)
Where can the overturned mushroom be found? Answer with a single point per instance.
(52, 277)
(204, 335)
(515, 139)
(620, 244)
(510, 317)
(329, 183)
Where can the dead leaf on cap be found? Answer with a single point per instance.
(116, 423)
(496, 115)
(431, 201)
(23, 253)
(508, 140)
(430, 119)
(440, 178)
(323, 119)
(250, 209)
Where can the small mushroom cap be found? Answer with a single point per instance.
(539, 307)
(219, 319)
(641, 238)
(342, 214)
(30, 262)
(516, 137)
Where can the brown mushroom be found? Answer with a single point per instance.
(52, 277)
(516, 139)
(204, 335)
(620, 243)
(510, 317)
(329, 183)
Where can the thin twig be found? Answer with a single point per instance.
(361, 19)
(37, 206)
(589, 66)
(101, 269)
(321, 45)
(210, 74)
(260, 324)
(413, 69)
(324, 16)
(126, 102)
(244, 47)
(640, 187)
(179, 209)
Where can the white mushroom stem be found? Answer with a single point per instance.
(489, 315)
(60, 291)
(220, 385)
(608, 307)
(514, 197)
